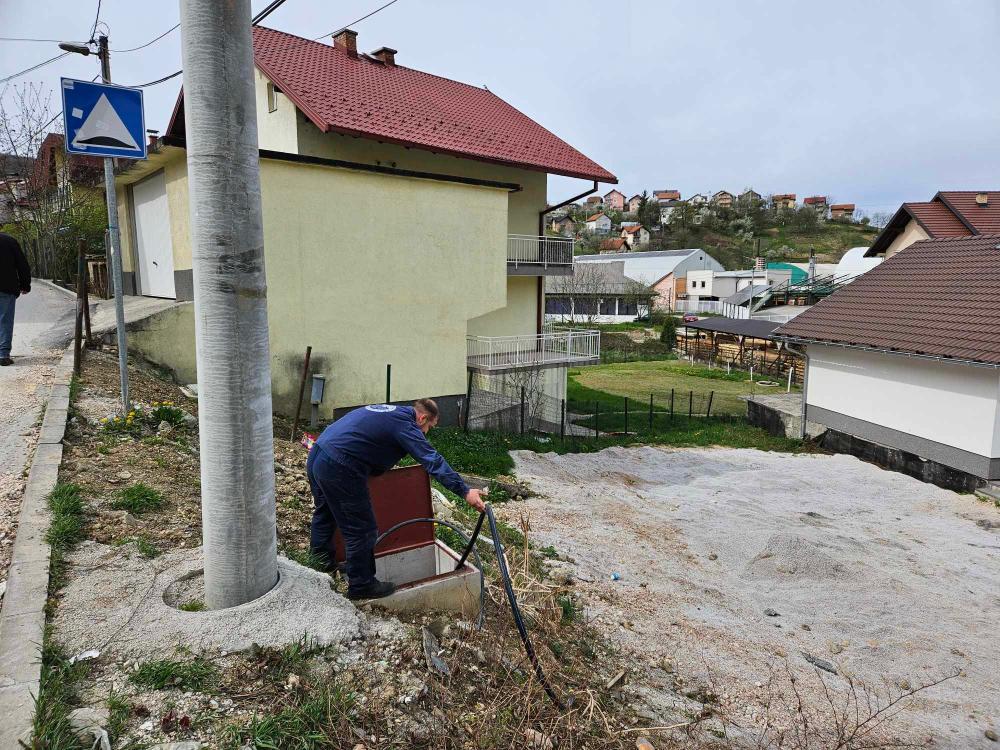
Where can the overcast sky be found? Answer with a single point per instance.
(868, 102)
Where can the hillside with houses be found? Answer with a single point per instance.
(734, 227)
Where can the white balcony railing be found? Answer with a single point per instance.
(529, 250)
(511, 352)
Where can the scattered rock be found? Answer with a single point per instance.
(3, 588)
(187, 745)
(991, 735)
(771, 612)
(293, 681)
(164, 428)
(89, 722)
(806, 627)
(537, 740)
(713, 556)
(124, 474)
(615, 680)
(836, 648)
(432, 650)
(820, 663)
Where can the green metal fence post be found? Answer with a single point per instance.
(562, 421)
(651, 411)
(671, 404)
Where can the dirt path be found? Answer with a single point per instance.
(734, 563)
(43, 319)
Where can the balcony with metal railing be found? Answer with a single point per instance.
(528, 255)
(498, 353)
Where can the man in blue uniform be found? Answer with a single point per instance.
(366, 442)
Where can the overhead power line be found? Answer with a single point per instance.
(354, 23)
(158, 80)
(97, 17)
(151, 41)
(33, 67)
(268, 10)
(27, 39)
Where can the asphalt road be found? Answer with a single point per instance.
(43, 325)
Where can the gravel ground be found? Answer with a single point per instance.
(43, 319)
(733, 565)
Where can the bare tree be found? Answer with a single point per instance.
(58, 201)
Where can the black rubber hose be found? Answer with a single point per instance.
(479, 563)
(472, 543)
(518, 620)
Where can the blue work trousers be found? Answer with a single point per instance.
(7, 303)
(341, 500)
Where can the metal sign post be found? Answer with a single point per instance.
(107, 121)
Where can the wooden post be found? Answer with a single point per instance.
(522, 408)
(690, 404)
(78, 325)
(468, 403)
(86, 294)
(671, 405)
(626, 415)
(708, 410)
(302, 388)
(650, 411)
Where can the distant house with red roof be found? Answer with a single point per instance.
(613, 245)
(376, 179)
(842, 211)
(636, 235)
(615, 200)
(784, 200)
(950, 213)
(598, 223)
(818, 203)
(666, 195)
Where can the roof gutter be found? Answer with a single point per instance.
(550, 209)
(913, 355)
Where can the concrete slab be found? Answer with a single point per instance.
(48, 456)
(18, 703)
(27, 588)
(21, 648)
(53, 426)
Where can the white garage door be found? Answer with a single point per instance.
(154, 251)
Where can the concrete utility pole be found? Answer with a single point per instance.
(230, 302)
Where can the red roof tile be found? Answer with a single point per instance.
(937, 219)
(633, 229)
(813, 199)
(595, 217)
(936, 297)
(361, 96)
(613, 244)
(984, 219)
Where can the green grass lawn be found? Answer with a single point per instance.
(609, 384)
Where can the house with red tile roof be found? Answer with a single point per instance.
(903, 364)
(950, 213)
(377, 180)
(635, 235)
(613, 245)
(783, 200)
(666, 195)
(598, 223)
(842, 211)
(817, 202)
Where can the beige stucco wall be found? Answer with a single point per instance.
(276, 131)
(518, 316)
(524, 205)
(167, 339)
(372, 270)
(911, 233)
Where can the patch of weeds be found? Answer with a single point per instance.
(279, 663)
(569, 607)
(498, 494)
(57, 697)
(165, 411)
(142, 544)
(194, 605)
(548, 552)
(66, 528)
(119, 711)
(128, 424)
(294, 502)
(308, 558)
(320, 720)
(196, 674)
(138, 498)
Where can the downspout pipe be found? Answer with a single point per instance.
(541, 233)
(804, 353)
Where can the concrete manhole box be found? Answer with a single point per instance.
(421, 566)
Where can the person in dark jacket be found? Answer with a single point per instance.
(15, 280)
(367, 442)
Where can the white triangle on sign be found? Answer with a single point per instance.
(103, 127)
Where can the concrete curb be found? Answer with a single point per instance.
(22, 616)
(51, 285)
